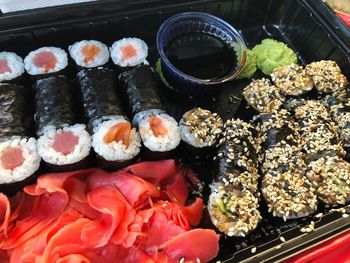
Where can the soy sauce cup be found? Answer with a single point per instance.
(196, 22)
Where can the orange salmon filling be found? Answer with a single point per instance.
(12, 158)
(89, 52)
(157, 126)
(119, 132)
(46, 60)
(65, 142)
(128, 51)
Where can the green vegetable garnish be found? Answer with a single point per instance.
(160, 73)
(250, 66)
(223, 208)
(271, 54)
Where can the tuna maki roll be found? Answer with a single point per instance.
(233, 203)
(128, 52)
(114, 140)
(45, 61)
(292, 80)
(159, 131)
(200, 130)
(89, 53)
(19, 159)
(326, 76)
(285, 187)
(63, 143)
(263, 96)
(11, 67)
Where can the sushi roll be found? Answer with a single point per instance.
(200, 130)
(263, 96)
(159, 131)
(233, 204)
(331, 176)
(114, 140)
(128, 52)
(11, 67)
(327, 170)
(89, 54)
(319, 134)
(63, 143)
(292, 80)
(233, 212)
(19, 160)
(285, 187)
(45, 61)
(326, 76)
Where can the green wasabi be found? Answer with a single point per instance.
(250, 66)
(160, 73)
(272, 54)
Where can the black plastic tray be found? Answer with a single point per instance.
(308, 26)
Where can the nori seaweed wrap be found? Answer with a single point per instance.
(63, 143)
(285, 188)
(14, 117)
(115, 142)
(98, 89)
(159, 132)
(233, 203)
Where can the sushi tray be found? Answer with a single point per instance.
(173, 131)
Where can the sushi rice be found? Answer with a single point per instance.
(30, 164)
(140, 47)
(81, 149)
(14, 63)
(99, 59)
(160, 143)
(115, 151)
(60, 55)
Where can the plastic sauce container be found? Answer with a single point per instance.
(198, 51)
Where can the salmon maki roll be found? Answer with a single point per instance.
(159, 131)
(114, 140)
(128, 52)
(89, 53)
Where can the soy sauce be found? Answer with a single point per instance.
(201, 55)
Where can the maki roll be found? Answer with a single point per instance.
(89, 54)
(327, 170)
(159, 131)
(128, 52)
(19, 159)
(45, 61)
(326, 76)
(63, 143)
(292, 80)
(11, 67)
(200, 130)
(114, 140)
(233, 203)
(263, 96)
(319, 135)
(285, 188)
(331, 176)
(340, 114)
